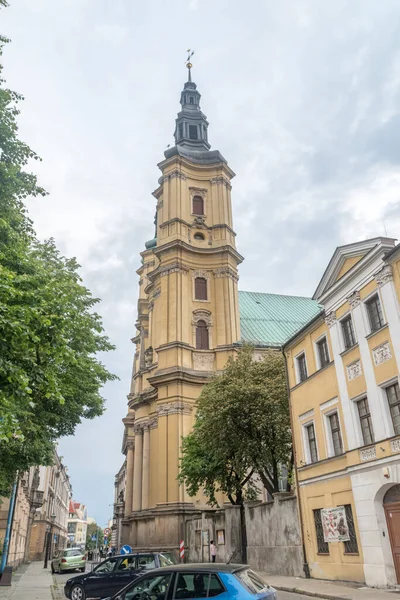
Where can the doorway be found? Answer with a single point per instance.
(391, 504)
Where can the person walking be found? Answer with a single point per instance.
(213, 551)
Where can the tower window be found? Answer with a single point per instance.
(198, 205)
(200, 288)
(180, 131)
(193, 132)
(201, 336)
(191, 100)
(199, 236)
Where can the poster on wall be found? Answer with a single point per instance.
(221, 537)
(334, 524)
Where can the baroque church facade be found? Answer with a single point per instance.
(191, 318)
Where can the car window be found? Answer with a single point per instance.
(151, 587)
(251, 581)
(106, 567)
(146, 561)
(215, 587)
(127, 562)
(72, 553)
(192, 585)
(167, 559)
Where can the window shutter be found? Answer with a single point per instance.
(198, 205)
(201, 336)
(200, 288)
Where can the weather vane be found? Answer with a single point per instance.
(188, 63)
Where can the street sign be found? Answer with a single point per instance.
(94, 537)
(126, 549)
(107, 531)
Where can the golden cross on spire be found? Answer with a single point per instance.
(188, 63)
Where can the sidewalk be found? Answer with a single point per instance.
(330, 590)
(30, 583)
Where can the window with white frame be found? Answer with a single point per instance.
(374, 312)
(322, 352)
(301, 367)
(364, 414)
(311, 441)
(349, 339)
(335, 433)
(393, 398)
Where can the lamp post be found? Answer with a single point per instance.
(49, 540)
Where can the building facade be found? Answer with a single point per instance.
(77, 524)
(189, 322)
(119, 506)
(52, 515)
(343, 370)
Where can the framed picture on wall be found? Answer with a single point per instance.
(221, 537)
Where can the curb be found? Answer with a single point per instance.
(301, 592)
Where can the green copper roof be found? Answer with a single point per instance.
(272, 319)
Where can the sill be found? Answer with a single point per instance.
(349, 349)
(351, 554)
(323, 554)
(370, 335)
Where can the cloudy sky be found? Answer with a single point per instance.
(303, 99)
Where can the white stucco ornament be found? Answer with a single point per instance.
(354, 370)
(381, 353)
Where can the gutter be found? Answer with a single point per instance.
(306, 567)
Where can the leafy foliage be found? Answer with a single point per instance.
(94, 529)
(242, 430)
(50, 377)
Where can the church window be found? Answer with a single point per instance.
(200, 288)
(193, 132)
(201, 336)
(199, 236)
(198, 205)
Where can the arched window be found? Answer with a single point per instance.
(200, 288)
(198, 236)
(198, 205)
(201, 336)
(392, 495)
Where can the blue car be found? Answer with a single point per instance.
(192, 581)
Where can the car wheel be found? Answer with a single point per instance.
(78, 593)
(82, 569)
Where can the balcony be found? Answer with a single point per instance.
(36, 499)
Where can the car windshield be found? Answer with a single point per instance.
(167, 559)
(251, 581)
(73, 552)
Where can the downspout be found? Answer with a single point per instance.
(7, 536)
(306, 567)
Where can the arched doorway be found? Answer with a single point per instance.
(391, 504)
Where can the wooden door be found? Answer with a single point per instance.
(392, 512)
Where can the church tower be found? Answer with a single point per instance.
(188, 322)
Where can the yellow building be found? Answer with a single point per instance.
(343, 370)
(190, 320)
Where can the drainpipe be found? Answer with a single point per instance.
(7, 536)
(306, 567)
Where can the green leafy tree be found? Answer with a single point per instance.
(50, 336)
(94, 529)
(242, 432)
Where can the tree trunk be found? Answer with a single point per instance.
(243, 532)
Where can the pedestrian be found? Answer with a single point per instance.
(213, 551)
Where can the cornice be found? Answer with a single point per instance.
(179, 374)
(202, 168)
(197, 250)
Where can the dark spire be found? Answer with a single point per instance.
(191, 124)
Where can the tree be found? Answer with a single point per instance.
(94, 530)
(50, 336)
(242, 431)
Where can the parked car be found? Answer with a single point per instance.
(113, 574)
(227, 582)
(69, 560)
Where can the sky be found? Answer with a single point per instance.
(303, 99)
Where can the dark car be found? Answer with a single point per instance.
(113, 574)
(184, 582)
